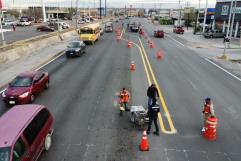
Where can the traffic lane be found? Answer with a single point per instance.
(22, 33)
(186, 108)
(81, 97)
(185, 92)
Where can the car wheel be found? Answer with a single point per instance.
(211, 36)
(47, 85)
(47, 142)
(32, 98)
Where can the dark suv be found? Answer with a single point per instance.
(75, 48)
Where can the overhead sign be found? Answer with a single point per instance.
(225, 9)
(236, 10)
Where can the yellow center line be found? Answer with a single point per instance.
(169, 119)
(143, 53)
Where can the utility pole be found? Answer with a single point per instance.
(76, 17)
(100, 9)
(89, 11)
(205, 16)
(229, 19)
(179, 17)
(105, 9)
(231, 30)
(3, 40)
(43, 10)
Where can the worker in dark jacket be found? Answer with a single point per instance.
(152, 93)
(153, 116)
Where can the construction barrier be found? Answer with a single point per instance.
(211, 128)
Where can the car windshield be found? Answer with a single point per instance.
(73, 45)
(5, 154)
(21, 82)
(86, 31)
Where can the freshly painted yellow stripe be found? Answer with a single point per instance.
(143, 54)
(172, 129)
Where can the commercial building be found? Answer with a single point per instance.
(223, 8)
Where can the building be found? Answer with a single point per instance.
(222, 15)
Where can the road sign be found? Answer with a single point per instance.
(225, 9)
(236, 10)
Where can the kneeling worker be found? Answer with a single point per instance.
(153, 116)
(124, 98)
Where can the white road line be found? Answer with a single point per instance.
(62, 53)
(222, 69)
(41, 66)
(175, 40)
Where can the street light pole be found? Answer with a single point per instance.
(43, 10)
(205, 16)
(3, 39)
(229, 19)
(179, 17)
(231, 30)
(76, 18)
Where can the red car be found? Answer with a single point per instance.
(178, 30)
(25, 131)
(45, 28)
(25, 87)
(159, 33)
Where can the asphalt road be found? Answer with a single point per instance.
(82, 98)
(21, 33)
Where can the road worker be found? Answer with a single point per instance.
(152, 93)
(208, 110)
(124, 98)
(153, 116)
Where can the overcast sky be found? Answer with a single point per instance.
(113, 3)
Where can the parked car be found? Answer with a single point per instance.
(214, 34)
(87, 20)
(25, 131)
(64, 25)
(24, 22)
(25, 87)
(8, 22)
(45, 28)
(178, 30)
(159, 33)
(75, 48)
(81, 22)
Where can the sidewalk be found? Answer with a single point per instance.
(9, 70)
(199, 40)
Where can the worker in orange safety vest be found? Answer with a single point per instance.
(124, 98)
(208, 110)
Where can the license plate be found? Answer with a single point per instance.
(11, 102)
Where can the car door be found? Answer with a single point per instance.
(37, 83)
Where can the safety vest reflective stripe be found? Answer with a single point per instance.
(154, 107)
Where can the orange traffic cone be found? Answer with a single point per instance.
(159, 55)
(144, 146)
(129, 44)
(132, 67)
(151, 45)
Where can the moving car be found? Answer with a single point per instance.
(45, 28)
(64, 25)
(75, 48)
(214, 34)
(24, 22)
(81, 22)
(109, 27)
(24, 88)
(159, 33)
(178, 30)
(133, 26)
(25, 131)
